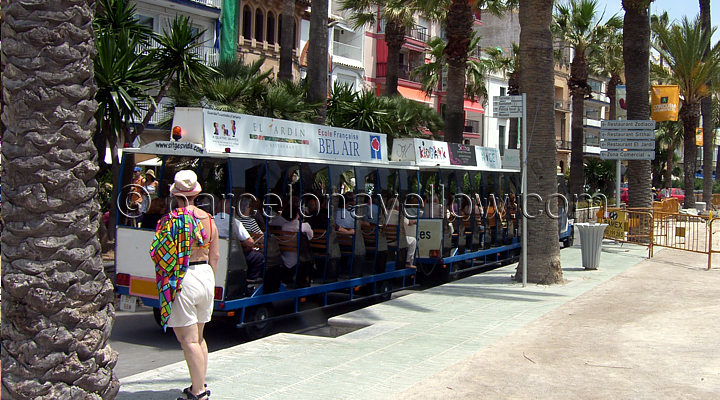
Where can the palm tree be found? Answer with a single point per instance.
(636, 56)
(706, 111)
(669, 134)
(476, 70)
(608, 63)
(317, 69)
(179, 62)
(577, 25)
(57, 302)
(510, 67)
(536, 79)
(398, 16)
(287, 37)
(690, 68)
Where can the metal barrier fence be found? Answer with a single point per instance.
(630, 226)
(686, 232)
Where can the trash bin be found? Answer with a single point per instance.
(591, 236)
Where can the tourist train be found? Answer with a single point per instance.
(374, 221)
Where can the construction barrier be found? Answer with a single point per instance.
(629, 226)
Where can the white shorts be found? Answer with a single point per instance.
(194, 304)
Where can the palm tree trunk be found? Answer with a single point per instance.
(57, 302)
(459, 30)
(578, 89)
(394, 38)
(706, 108)
(317, 71)
(669, 165)
(636, 55)
(285, 72)
(455, 103)
(689, 114)
(536, 79)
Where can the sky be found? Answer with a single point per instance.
(676, 9)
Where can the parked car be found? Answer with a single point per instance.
(673, 192)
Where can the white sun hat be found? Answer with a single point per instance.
(186, 184)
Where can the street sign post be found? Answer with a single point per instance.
(624, 134)
(628, 145)
(626, 140)
(627, 155)
(508, 106)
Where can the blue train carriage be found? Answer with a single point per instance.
(261, 171)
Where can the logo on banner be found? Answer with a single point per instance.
(375, 149)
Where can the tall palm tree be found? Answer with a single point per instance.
(577, 24)
(670, 135)
(608, 63)
(536, 79)
(690, 68)
(287, 38)
(317, 69)
(57, 302)
(636, 55)
(476, 70)
(706, 111)
(398, 16)
(509, 65)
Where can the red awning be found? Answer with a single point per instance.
(474, 106)
(414, 94)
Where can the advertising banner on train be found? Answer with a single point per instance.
(461, 154)
(488, 157)
(421, 151)
(227, 132)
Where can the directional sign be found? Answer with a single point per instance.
(627, 155)
(612, 124)
(626, 134)
(627, 144)
(507, 106)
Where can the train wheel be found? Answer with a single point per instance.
(258, 316)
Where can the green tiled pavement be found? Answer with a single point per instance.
(400, 342)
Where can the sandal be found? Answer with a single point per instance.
(189, 396)
(202, 396)
(189, 388)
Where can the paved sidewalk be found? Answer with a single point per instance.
(436, 343)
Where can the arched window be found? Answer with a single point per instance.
(247, 23)
(259, 25)
(270, 36)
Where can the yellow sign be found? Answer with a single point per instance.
(665, 102)
(699, 136)
(617, 225)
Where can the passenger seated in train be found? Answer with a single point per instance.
(293, 224)
(254, 259)
(345, 216)
(275, 215)
(316, 214)
(392, 219)
(493, 217)
(247, 218)
(368, 212)
(433, 207)
(512, 210)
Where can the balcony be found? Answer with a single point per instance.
(208, 55)
(404, 72)
(563, 105)
(418, 32)
(347, 50)
(162, 113)
(592, 122)
(563, 144)
(209, 3)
